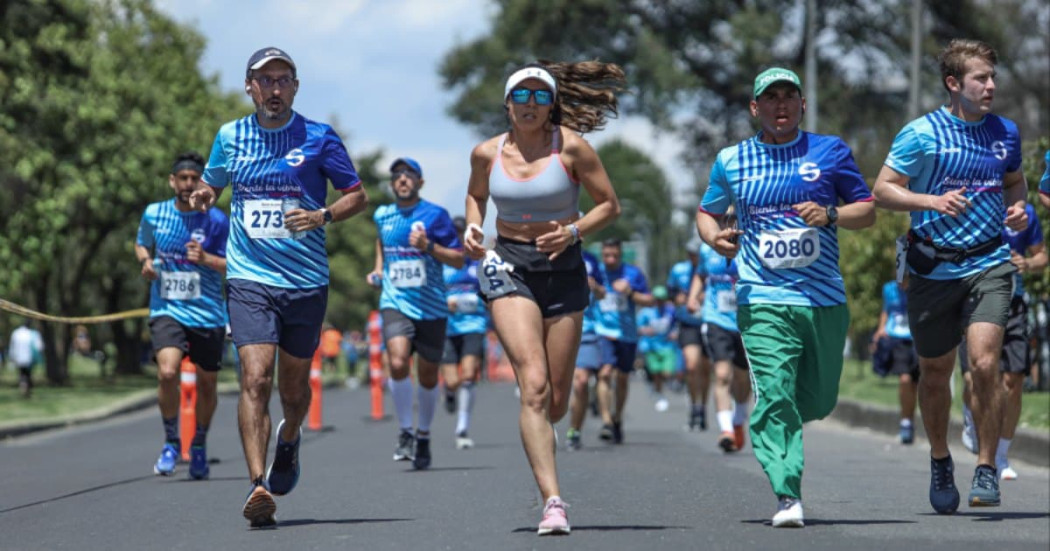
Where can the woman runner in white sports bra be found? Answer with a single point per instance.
(534, 279)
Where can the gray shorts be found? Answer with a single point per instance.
(427, 336)
(1017, 354)
(939, 311)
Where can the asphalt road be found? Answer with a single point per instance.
(92, 487)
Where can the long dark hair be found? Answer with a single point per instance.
(587, 91)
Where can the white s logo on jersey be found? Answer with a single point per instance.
(999, 150)
(809, 171)
(295, 157)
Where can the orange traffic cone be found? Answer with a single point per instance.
(375, 364)
(314, 421)
(187, 404)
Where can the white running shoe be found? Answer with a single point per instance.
(464, 442)
(1006, 472)
(789, 513)
(969, 436)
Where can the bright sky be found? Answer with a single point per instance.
(370, 68)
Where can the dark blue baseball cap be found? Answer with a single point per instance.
(409, 162)
(265, 55)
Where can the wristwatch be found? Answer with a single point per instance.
(327, 214)
(833, 214)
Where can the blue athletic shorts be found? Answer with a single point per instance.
(589, 355)
(618, 354)
(289, 318)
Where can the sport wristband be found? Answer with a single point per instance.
(575, 232)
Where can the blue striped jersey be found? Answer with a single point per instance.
(719, 279)
(270, 171)
(659, 319)
(470, 315)
(413, 282)
(940, 153)
(616, 312)
(1020, 241)
(189, 293)
(895, 304)
(678, 281)
(1044, 182)
(591, 313)
(781, 259)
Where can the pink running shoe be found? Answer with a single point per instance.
(555, 522)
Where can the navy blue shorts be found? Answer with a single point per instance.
(289, 318)
(618, 354)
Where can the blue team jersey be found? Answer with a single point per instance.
(1044, 182)
(185, 291)
(678, 281)
(591, 314)
(413, 282)
(616, 313)
(659, 319)
(781, 259)
(462, 284)
(940, 153)
(895, 304)
(719, 289)
(1019, 242)
(267, 168)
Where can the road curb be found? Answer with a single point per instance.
(1029, 445)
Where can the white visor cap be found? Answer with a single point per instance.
(527, 73)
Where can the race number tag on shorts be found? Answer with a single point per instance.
(794, 248)
(180, 285)
(726, 300)
(264, 219)
(902, 258)
(407, 273)
(466, 303)
(495, 277)
(613, 302)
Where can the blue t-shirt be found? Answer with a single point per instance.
(616, 312)
(188, 292)
(413, 280)
(719, 278)
(895, 304)
(781, 259)
(940, 153)
(661, 320)
(678, 281)
(462, 284)
(591, 314)
(267, 168)
(1044, 182)
(1020, 241)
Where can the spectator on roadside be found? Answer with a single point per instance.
(24, 351)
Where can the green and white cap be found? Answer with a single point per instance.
(771, 76)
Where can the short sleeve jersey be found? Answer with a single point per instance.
(616, 318)
(661, 320)
(1019, 242)
(782, 260)
(678, 281)
(1044, 182)
(940, 153)
(719, 279)
(266, 167)
(463, 287)
(413, 280)
(592, 314)
(189, 293)
(895, 304)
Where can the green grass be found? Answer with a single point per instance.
(860, 383)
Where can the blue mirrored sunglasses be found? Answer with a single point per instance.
(521, 96)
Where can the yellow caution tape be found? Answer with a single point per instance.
(21, 310)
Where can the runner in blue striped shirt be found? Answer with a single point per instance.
(183, 254)
(786, 186)
(1044, 183)
(416, 237)
(957, 170)
(279, 164)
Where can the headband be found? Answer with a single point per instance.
(527, 73)
(187, 164)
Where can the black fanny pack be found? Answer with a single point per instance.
(923, 256)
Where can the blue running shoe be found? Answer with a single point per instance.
(944, 496)
(199, 469)
(283, 474)
(259, 507)
(985, 489)
(169, 456)
(421, 461)
(907, 434)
